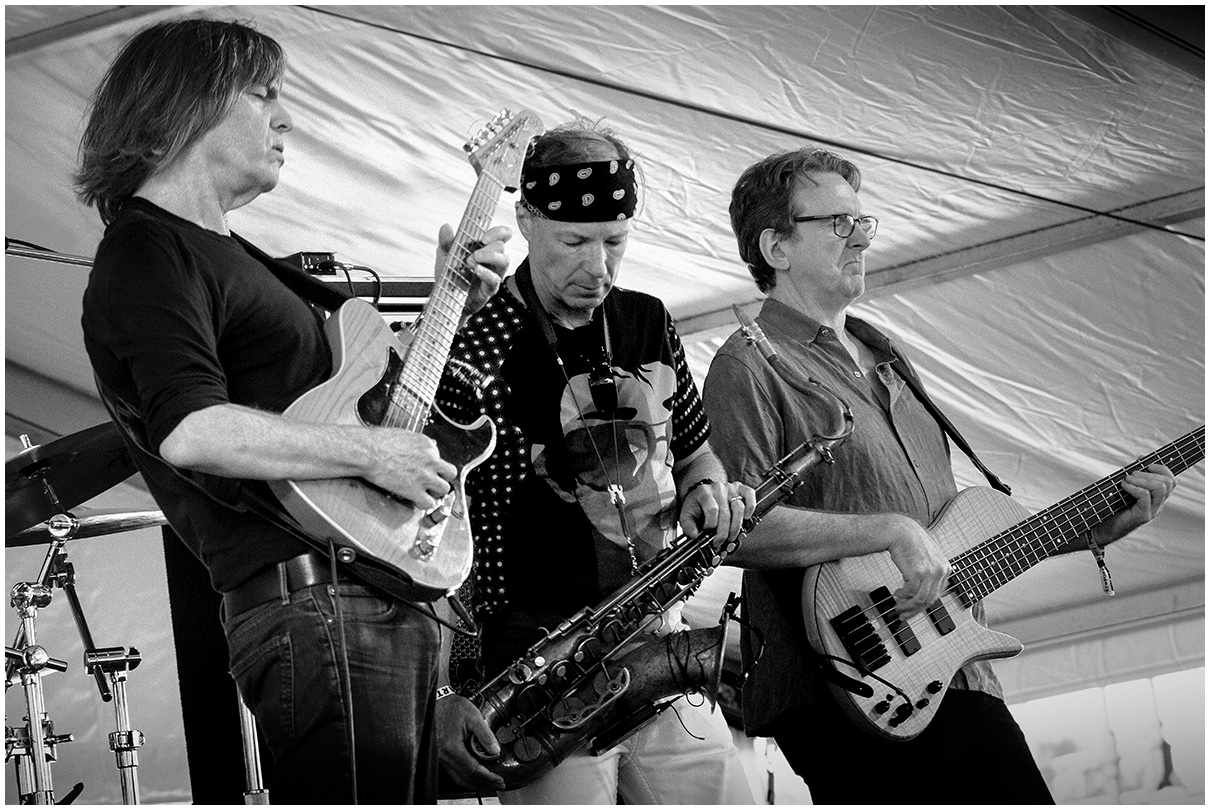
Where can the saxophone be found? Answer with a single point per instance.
(590, 680)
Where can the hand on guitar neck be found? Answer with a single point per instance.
(1149, 488)
(486, 265)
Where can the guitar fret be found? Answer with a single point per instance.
(982, 569)
(442, 313)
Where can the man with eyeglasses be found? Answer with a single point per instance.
(803, 234)
(601, 449)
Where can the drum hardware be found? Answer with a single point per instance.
(256, 792)
(35, 747)
(126, 741)
(81, 465)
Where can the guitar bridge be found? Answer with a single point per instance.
(428, 537)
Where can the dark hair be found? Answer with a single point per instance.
(761, 199)
(169, 85)
(580, 140)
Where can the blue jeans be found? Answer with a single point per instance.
(285, 656)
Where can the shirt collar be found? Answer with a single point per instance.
(793, 324)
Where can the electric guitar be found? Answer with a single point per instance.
(382, 379)
(898, 670)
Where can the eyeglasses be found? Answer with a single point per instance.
(843, 224)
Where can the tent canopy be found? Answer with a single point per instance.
(1037, 172)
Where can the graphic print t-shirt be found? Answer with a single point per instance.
(547, 531)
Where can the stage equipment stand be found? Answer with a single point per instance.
(115, 662)
(256, 793)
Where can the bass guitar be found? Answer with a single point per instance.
(384, 379)
(898, 670)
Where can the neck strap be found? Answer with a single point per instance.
(525, 285)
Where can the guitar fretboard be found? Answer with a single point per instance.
(412, 402)
(979, 571)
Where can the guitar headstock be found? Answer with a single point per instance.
(499, 148)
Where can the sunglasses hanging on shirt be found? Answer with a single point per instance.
(602, 383)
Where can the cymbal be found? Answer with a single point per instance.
(78, 467)
(91, 525)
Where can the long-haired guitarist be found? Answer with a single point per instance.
(204, 340)
(601, 449)
(803, 233)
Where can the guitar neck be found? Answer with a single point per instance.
(979, 571)
(442, 312)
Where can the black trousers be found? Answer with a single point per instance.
(973, 752)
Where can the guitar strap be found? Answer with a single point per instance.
(909, 376)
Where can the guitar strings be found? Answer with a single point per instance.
(968, 585)
(411, 402)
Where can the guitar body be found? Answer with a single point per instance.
(919, 678)
(431, 554)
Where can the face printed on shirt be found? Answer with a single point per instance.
(640, 460)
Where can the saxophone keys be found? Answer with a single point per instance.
(606, 686)
(588, 651)
(527, 749)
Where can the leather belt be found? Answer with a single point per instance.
(277, 581)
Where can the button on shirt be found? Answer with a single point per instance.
(896, 460)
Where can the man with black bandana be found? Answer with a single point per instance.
(601, 449)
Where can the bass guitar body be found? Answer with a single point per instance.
(901, 669)
(430, 551)
(907, 665)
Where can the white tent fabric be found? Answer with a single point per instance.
(1064, 343)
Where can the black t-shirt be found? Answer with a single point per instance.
(178, 318)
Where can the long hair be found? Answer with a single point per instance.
(762, 196)
(170, 84)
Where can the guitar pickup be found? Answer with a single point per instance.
(860, 639)
(902, 632)
(941, 618)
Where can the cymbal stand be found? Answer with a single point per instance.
(57, 571)
(36, 746)
(115, 662)
(126, 741)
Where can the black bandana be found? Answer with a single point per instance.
(582, 192)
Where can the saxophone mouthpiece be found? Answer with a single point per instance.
(753, 333)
